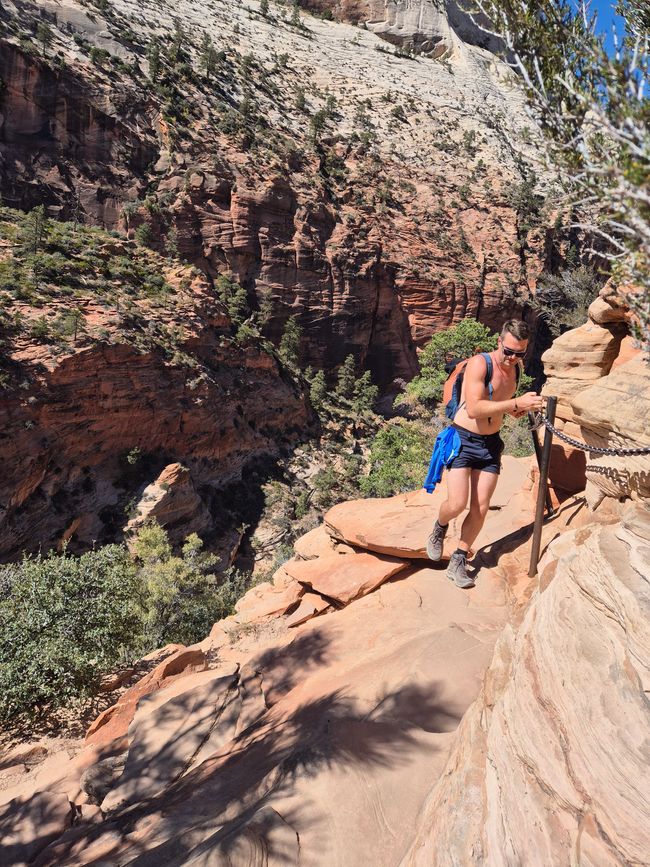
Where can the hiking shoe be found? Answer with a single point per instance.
(457, 572)
(435, 542)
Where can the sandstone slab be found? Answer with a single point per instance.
(169, 726)
(114, 722)
(310, 606)
(399, 526)
(345, 578)
(318, 543)
(27, 826)
(268, 600)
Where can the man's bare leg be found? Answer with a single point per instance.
(458, 486)
(482, 488)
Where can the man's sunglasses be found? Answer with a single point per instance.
(514, 352)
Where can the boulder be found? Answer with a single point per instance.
(345, 578)
(173, 502)
(27, 826)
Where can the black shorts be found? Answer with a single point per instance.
(478, 451)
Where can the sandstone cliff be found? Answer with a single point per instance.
(373, 196)
(111, 375)
(601, 380)
(359, 708)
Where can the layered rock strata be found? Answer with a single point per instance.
(600, 379)
(368, 195)
(548, 763)
(92, 424)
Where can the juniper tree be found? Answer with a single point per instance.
(347, 378)
(594, 111)
(289, 348)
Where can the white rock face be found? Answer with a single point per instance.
(436, 28)
(421, 25)
(548, 765)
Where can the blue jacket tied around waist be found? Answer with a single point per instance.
(445, 449)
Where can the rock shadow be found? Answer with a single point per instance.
(234, 803)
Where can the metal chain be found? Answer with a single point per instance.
(598, 450)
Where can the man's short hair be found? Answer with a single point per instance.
(517, 328)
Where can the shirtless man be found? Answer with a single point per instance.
(475, 470)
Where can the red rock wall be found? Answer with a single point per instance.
(362, 276)
(68, 144)
(65, 438)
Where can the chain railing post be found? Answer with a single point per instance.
(538, 454)
(545, 462)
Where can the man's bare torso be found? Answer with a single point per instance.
(504, 385)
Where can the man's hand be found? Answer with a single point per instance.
(530, 402)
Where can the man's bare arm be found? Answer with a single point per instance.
(478, 407)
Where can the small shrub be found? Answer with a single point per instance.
(460, 341)
(399, 456)
(63, 622)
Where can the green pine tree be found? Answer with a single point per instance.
(289, 348)
(36, 228)
(44, 35)
(365, 393)
(347, 378)
(318, 391)
(153, 56)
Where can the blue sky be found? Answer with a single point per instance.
(607, 17)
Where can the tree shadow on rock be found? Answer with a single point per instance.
(234, 804)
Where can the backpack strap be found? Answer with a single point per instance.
(489, 368)
(488, 373)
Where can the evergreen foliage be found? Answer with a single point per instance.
(563, 299)
(399, 456)
(235, 298)
(347, 378)
(65, 621)
(364, 394)
(35, 229)
(153, 56)
(593, 107)
(318, 391)
(460, 341)
(289, 348)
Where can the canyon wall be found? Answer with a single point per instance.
(87, 425)
(374, 197)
